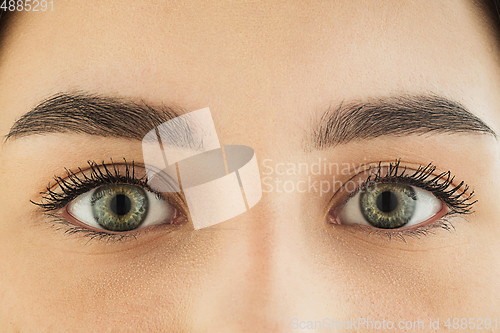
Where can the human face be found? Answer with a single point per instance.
(268, 71)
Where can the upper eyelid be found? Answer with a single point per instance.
(85, 178)
(464, 205)
(360, 169)
(130, 173)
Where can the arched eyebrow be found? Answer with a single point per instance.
(114, 117)
(394, 116)
(93, 115)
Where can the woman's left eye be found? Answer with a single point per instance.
(389, 206)
(120, 208)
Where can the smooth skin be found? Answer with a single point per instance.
(266, 69)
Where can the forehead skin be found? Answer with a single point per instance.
(258, 53)
(264, 68)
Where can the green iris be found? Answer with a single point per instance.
(388, 206)
(119, 207)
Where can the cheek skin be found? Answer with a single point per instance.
(383, 282)
(144, 286)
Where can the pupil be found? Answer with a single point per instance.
(387, 202)
(121, 205)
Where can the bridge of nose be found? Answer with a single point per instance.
(265, 276)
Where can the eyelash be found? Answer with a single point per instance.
(79, 183)
(457, 198)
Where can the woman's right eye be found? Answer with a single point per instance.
(120, 208)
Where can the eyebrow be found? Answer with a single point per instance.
(356, 121)
(394, 116)
(101, 116)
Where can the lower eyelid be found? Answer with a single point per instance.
(64, 223)
(73, 225)
(443, 211)
(72, 222)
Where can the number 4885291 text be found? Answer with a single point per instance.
(27, 5)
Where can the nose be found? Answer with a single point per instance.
(266, 277)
